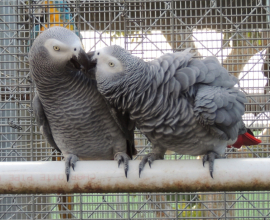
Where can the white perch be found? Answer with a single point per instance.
(164, 176)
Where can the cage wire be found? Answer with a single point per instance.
(236, 32)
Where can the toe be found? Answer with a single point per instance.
(122, 158)
(211, 174)
(73, 165)
(126, 166)
(126, 170)
(210, 157)
(147, 158)
(151, 159)
(67, 169)
(205, 158)
(140, 170)
(142, 164)
(73, 161)
(70, 160)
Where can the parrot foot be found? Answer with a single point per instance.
(210, 157)
(122, 158)
(147, 158)
(70, 160)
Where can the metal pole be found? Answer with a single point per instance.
(164, 176)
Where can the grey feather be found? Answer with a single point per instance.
(183, 104)
(42, 122)
(79, 121)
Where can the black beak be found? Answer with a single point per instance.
(89, 65)
(84, 63)
(90, 57)
(75, 63)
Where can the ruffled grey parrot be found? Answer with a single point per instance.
(72, 115)
(186, 105)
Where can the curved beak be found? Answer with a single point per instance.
(89, 65)
(73, 62)
(84, 63)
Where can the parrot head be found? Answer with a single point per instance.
(57, 51)
(108, 66)
(114, 67)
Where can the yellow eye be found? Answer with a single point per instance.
(111, 64)
(56, 48)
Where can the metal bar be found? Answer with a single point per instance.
(164, 176)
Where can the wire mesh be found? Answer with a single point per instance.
(236, 32)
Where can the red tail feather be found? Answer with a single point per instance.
(245, 139)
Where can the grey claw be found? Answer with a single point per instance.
(140, 170)
(210, 157)
(122, 158)
(119, 162)
(204, 160)
(70, 161)
(149, 158)
(126, 168)
(149, 163)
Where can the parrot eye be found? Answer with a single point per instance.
(75, 49)
(56, 48)
(111, 64)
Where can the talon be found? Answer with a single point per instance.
(126, 168)
(140, 170)
(149, 158)
(210, 157)
(122, 158)
(119, 162)
(70, 161)
(141, 166)
(204, 159)
(211, 174)
(73, 166)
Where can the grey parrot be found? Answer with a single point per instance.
(189, 106)
(70, 112)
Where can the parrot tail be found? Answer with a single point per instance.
(246, 139)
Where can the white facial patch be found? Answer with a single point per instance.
(62, 52)
(107, 65)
